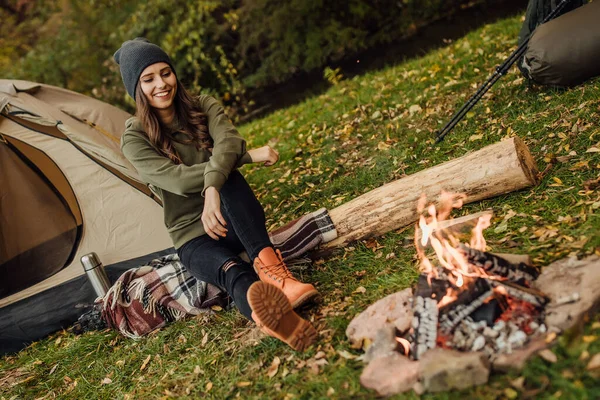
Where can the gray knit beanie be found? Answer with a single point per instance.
(134, 56)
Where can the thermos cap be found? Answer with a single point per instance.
(90, 261)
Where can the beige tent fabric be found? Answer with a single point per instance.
(38, 231)
(68, 111)
(51, 172)
(44, 215)
(119, 221)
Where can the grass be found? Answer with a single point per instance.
(360, 134)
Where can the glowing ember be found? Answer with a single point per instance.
(405, 345)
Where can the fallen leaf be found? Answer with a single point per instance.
(346, 354)
(594, 362)
(473, 138)
(511, 393)
(272, 371)
(204, 339)
(209, 386)
(548, 355)
(590, 338)
(243, 384)
(550, 337)
(330, 391)
(53, 369)
(518, 383)
(415, 108)
(593, 149)
(198, 370)
(360, 289)
(383, 146)
(145, 363)
(376, 115)
(106, 381)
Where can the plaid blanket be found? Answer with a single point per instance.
(147, 298)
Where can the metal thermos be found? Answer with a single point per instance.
(96, 273)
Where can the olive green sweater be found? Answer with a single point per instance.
(181, 186)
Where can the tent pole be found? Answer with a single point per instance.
(500, 71)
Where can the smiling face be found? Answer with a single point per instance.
(159, 85)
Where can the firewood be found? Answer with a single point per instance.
(467, 301)
(515, 258)
(494, 170)
(425, 315)
(529, 295)
(494, 265)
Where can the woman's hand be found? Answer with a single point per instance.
(212, 219)
(266, 155)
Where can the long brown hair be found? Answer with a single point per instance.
(193, 121)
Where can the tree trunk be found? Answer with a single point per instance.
(494, 170)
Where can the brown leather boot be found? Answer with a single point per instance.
(271, 269)
(273, 313)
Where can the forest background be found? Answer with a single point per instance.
(236, 50)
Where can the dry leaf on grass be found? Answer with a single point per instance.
(594, 362)
(145, 363)
(272, 371)
(548, 355)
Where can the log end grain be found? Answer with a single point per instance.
(526, 160)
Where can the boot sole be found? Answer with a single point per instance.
(273, 310)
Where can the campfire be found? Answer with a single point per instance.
(466, 298)
(472, 311)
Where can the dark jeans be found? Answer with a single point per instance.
(204, 257)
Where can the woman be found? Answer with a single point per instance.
(188, 151)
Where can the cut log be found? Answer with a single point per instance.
(494, 170)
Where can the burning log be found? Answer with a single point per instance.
(496, 169)
(467, 301)
(529, 295)
(495, 265)
(425, 314)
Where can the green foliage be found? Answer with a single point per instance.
(74, 45)
(19, 27)
(279, 39)
(227, 48)
(333, 76)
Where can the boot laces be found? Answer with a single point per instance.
(277, 270)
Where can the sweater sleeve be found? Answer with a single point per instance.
(229, 149)
(158, 170)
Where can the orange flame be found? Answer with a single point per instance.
(444, 243)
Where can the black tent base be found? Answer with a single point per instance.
(37, 316)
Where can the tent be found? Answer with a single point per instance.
(65, 191)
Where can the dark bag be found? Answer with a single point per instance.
(566, 50)
(538, 10)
